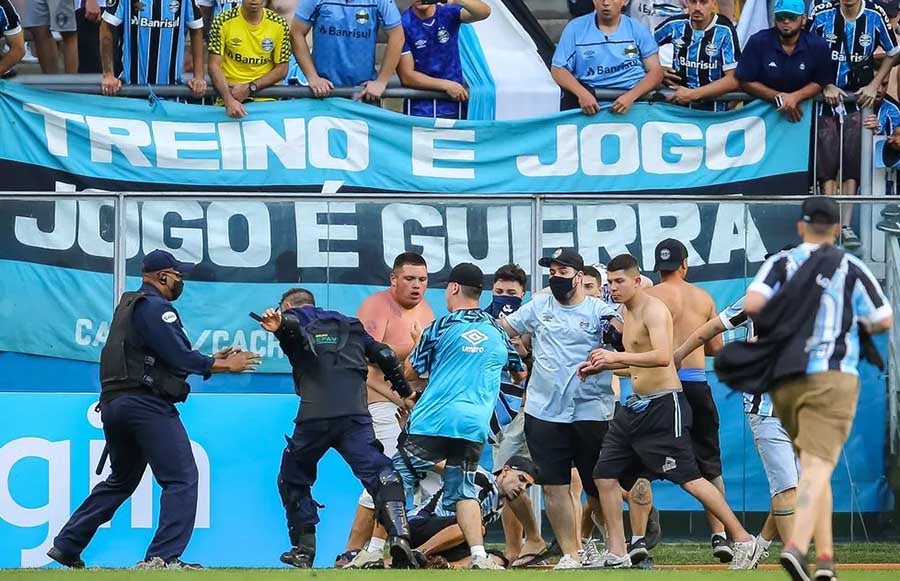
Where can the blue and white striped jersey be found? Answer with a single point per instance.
(488, 497)
(851, 295)
(10, 23)
(701, 57)
(153, 38)
(733, 317)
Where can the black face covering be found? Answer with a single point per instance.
(177, 286)
(562, 287)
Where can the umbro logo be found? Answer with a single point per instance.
(474, 337)
(772, 64)
(669, 464)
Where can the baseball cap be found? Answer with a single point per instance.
(162, 260)
(796, 7)
(670, 253)
(519, 462)
(820, 210)
(467, 274)
(564, 256)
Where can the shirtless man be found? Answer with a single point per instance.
(390, 316)
(650, 437)
(692, 307)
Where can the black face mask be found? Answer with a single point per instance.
(562, 287)
(177, 286)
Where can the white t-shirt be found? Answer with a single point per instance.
(561, 338)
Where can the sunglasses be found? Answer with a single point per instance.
(779, 16)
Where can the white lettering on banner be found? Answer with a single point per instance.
(734, 232)
(90, 235)
(393, 228)
(55, 512)
(459, 248)
(609, 226)
(261, 342)
(425, 153)
(614, 149)
(555, 239)
(313, 237)
(168, 145)
(61, 237)
(686, 228)
(653, 148)
(229, 145)
(85, 333)
(255, 215)
(154, 233)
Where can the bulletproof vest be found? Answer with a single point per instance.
(128, 366)
(330, 376)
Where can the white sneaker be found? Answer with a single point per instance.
(610, 561)
(30, 59)
(746, 555)
(568, 562)
(589, 553)
(151, 564)
(366, 559)
(486, 563)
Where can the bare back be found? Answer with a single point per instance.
(388, 322)
(648, 326)
(691, 307)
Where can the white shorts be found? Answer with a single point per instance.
(776, 452)
(59, 15)
(387, 430)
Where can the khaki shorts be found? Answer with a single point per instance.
(817, 411)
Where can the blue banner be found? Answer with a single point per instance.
(307, 143)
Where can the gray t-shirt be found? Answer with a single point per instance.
(563, 337)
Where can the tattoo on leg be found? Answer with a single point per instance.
(641, 493)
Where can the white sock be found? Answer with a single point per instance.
(762, 542)
(376, 545)
(636, 538)
(478, 552)
(713, 536)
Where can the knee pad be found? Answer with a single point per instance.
(391, 487)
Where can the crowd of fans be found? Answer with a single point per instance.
(834, 48)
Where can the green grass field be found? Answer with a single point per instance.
(331, 575)
(670, 554)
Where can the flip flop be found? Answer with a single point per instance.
(527, 560)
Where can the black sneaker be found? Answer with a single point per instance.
(891, 211)
(299, 558)
(721, 549)
(824, 570)
(178, 564)
(654, 530)
(849, 238)
(66, 560)
(638, 551)
(402, 556)
(890, 225)
(794, 562)
(345, 558)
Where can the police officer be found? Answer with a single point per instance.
(143, 373)
(328, 353)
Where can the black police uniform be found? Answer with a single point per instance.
(328, 353)
(143, 371)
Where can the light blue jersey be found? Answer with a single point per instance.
(344, 36)
(561, 338)
(852, 295)
(463, 355)
(605, 61)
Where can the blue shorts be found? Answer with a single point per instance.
(417, 454)
(776, 452)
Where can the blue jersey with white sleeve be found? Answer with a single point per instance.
(434, 46)
(462, 354)
(345, 33)
(603, 61)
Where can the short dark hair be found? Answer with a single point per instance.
(297, 297)
(819, 229)
(411, 258)
(591, 271)
(511, 272)
(470, 292)
(623, 262)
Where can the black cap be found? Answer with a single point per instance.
(162, 260)
(564, 256)
(821, 210)
(522, 463)
(670, 253)
(467, 274)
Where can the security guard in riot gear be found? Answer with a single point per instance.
(328, 353)
(143, 373)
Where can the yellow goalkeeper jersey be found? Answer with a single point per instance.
(248, 52)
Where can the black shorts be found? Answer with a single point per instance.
(556, 447)
(705, 429)
(422, 528)
(829, 157)
(654, 444)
